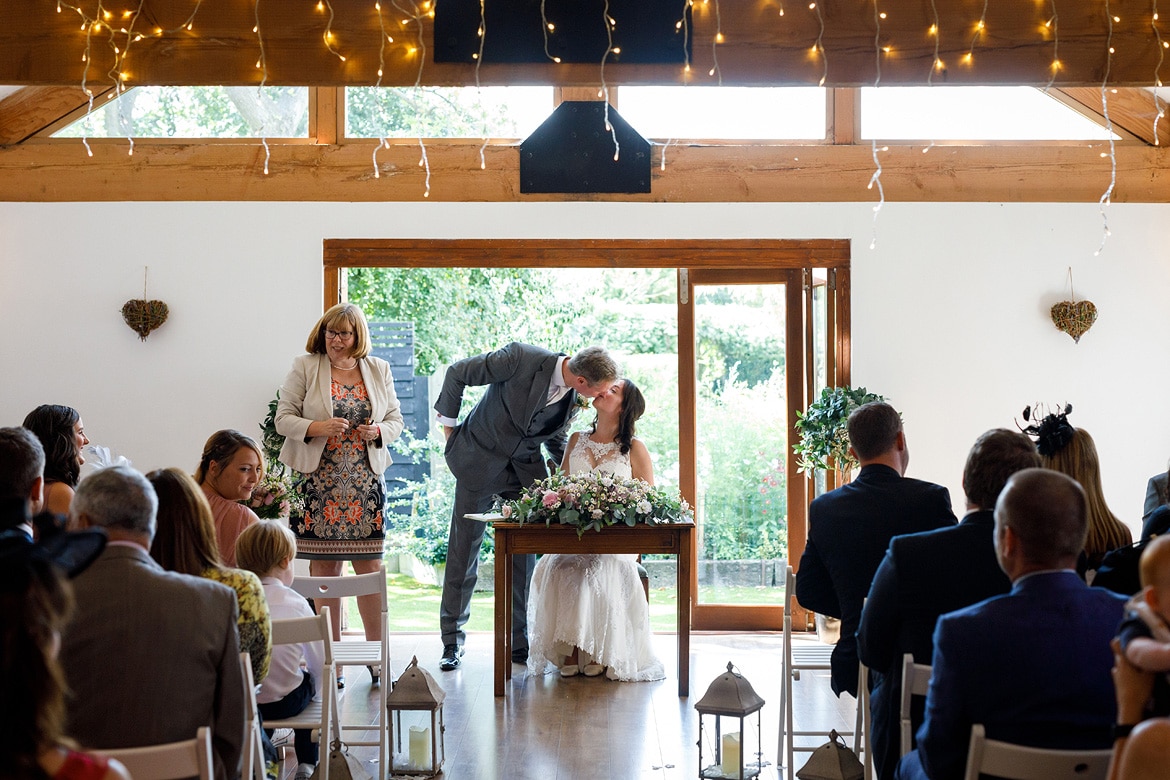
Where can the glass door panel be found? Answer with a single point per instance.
(741, 440)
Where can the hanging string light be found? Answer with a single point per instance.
(609, 23)
(1107, 196)
(327, 36)
(876, 179)
(936, 33)
(818, 48)
(478, 57)
(416, 16)
(1053, 25)
(546, 28)
(1159, 104)
(262, 64)
(383, 39)
(718, 39)
(683, 25)
(980, 28)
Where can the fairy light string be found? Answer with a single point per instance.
(819, 47)
(546, 28)
(609, 23)
(416, 15)
(980, 28)
(876, 179)
(1107, 196)
(1159, 104)
(383, 38)
(683, 26)
(262, 64)
(718, 39)
(478, 56)
(1053, 24)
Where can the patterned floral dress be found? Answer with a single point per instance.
(344, 498)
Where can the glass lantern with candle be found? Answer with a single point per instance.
(730, 699)
(415, 710)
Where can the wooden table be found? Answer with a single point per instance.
(515, 539)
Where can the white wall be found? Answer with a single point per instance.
(950, 311)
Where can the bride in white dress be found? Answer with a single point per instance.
(588, 613)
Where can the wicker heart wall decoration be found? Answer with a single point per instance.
(1074, 317)
(142, 315)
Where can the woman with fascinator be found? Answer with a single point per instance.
(35, 603)
(1071, 451)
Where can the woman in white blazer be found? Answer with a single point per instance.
(338, 412)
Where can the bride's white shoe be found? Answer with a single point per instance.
(570, 670)
(592, 669)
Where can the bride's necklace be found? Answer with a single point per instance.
(344, 368)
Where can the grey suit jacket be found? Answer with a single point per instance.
(498, 430)
(150, 656)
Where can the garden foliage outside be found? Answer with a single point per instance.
(632, 313)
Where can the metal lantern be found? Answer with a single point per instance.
(415, 709)
(730, 695)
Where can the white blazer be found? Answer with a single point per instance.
(305, 397)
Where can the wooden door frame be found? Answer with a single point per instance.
(729, 259)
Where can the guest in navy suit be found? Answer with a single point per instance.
(924, 575)
(850, 528)
(1033, 666)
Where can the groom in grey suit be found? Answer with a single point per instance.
(531, 399)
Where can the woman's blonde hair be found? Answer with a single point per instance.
(263, 546)
(1078, 459)
(339, 315)
(185, 538)
(221, 448)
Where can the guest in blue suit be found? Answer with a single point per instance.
(924, 575)
(1033, 666)
(850, 528)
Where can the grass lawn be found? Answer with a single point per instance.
(414, 606)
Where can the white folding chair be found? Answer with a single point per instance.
(253, 751)
(360, 653)
(1017, 762)
(806, 656)
(187, 758)
(915, 682)
(320, 716)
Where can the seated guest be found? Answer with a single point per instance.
(62, 435)
(924, 575)
(150, 656)
(850, 528)
(185, 542)
(1156, 495)
(229, 469)
(1119, 568)
(1071, 451)
(22, 465)
(1032, 665)
(35, 602)
(1141, 749)
(1145, 633)
(267, 549)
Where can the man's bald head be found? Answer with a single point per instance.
(1040, 522)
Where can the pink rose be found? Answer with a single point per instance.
(507, 510)
(550, 499)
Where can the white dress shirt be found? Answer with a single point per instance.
(288, 661)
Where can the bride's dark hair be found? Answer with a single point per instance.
(633, 406)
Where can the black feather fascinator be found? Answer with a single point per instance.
(1051, 432)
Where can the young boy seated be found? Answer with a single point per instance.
(1145, 632)
(266, 548)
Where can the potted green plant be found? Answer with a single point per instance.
(824, 440)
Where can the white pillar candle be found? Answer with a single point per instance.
(420, 747)
(729, 764)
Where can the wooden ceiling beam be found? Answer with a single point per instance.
(27, 111)
(40, 171)
(1131, 111)
(41, 45)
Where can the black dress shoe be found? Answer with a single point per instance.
(520, 656)
(451, 656)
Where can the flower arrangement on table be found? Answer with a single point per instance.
(591, 501)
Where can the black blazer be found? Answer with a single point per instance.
(921, 577)
(849, 530)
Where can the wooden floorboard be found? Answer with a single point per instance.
(551, 728)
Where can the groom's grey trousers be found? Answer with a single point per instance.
(463, 545)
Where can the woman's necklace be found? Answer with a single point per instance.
(344, 368)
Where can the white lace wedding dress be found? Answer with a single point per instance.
(594, 602)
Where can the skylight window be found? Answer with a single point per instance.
(445, 112)
(197, 112)
(779, 113)
(972, 114)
